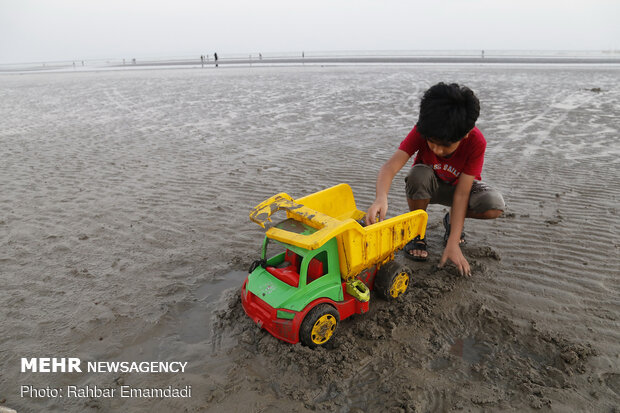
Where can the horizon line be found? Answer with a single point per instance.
(313, 54)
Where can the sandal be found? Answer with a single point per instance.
(416, 244)
(446, 235)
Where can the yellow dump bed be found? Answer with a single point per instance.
(333, 213)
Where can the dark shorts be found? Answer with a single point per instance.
(422, 183)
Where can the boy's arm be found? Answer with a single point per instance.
(460, 201)
(384, 180)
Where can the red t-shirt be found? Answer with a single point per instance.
(468, 157)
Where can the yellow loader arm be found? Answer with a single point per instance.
(283, 202)
(327, 226)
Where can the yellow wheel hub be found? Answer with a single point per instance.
(323, 328)
(400, 284)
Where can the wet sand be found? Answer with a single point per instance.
(125, 236)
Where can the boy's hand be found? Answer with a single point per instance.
(453, 253)
(384, 180)
(460, 200)
(379, 207)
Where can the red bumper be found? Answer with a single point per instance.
(267, 317)
(288, 329)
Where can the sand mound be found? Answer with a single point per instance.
(422, 353)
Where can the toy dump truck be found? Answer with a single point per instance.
(327, 264)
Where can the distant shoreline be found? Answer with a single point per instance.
(320, 60)
(393, 59)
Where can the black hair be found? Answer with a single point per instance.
(447, 113)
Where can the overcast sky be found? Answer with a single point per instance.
(48, 30)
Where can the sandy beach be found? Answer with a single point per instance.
(124, 235)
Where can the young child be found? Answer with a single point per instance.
(446, 170)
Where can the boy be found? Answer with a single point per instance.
(446, 170)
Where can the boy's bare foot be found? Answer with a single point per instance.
(416, 249)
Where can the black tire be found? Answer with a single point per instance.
(319, 325)
(392, 280)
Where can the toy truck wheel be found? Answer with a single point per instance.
(319, 325)
(392, 280)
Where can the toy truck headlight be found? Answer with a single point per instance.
(285, 314)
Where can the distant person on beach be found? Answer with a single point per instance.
(215, 58)
(446, 170)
